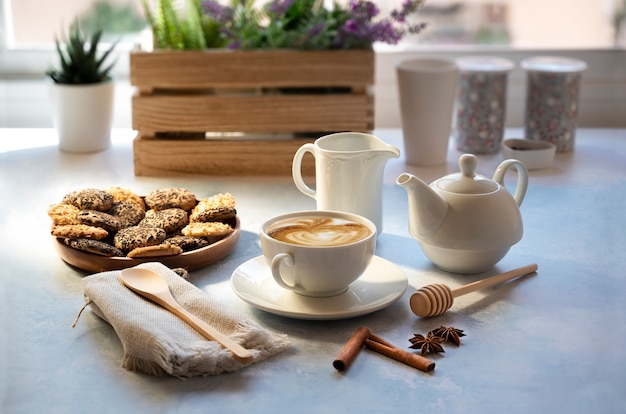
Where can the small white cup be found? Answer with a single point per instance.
(317, 271)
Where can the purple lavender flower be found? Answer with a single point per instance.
(279, 7)
(315, 30)
(219, 13)
(365, 10)
(408, 7)
(295, 23)
(385, 32)
(415, 29)
(351, 26)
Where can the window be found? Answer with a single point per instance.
(592, 30)
(562, 24)
(27, 30)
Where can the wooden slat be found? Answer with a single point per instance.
(269, 68)
(155, 157)
(275, 113)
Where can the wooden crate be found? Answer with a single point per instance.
(249, 93)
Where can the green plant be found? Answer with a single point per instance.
(79, 60)
(173, 29)
(310, 24)
(298, 24)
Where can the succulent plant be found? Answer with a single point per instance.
(79, 60)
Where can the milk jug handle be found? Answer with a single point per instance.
(296, 169)
(522, 178)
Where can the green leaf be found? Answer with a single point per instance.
(78, 58)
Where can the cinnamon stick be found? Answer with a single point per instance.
(380, 340)
(413, 360)
(351, 349)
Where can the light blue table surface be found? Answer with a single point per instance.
(553, 342)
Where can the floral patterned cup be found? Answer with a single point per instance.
(481, 103)
(552, 100)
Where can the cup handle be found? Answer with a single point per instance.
(276, 262)
(296, 169)
(522, 178)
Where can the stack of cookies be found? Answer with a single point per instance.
(116, 222)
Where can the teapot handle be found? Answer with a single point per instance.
(522, 178)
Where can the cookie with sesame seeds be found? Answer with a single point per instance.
(63, 214)
(94, 246)
(219, 207)
(89, 199)
(165, 249)
(214, 214)
(99, 219)
(172, 197)
(211, 229)
(128, 212)
(170, 219)
(124, 194)
(187, 243)
(138, 236)
(78, 231)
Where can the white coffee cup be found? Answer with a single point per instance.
(427, 88)
(349, 169)
(334, 248)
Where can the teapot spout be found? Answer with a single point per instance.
(427, 209)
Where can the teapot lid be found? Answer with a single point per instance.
(467, 181)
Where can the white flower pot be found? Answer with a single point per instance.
(82, 115)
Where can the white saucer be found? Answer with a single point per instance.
(382, 284)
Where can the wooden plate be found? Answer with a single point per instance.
(191, 260)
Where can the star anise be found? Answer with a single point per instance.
(428, 344)
(448, 334)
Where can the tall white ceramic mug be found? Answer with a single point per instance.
(349, 169)
(427, 89)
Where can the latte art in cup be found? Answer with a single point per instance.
(318, 231)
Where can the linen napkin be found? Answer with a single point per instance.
(156, 341)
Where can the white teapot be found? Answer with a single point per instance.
(465, 222)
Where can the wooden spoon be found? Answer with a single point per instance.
(152, 286)
(433, 300)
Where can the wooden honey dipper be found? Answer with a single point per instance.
(433, 300)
